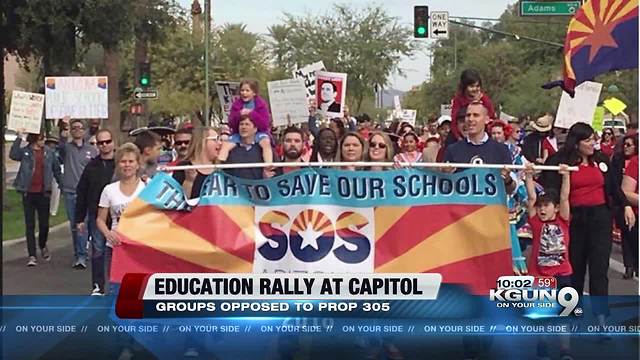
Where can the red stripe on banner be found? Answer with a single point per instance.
(416, 225)
(214, 225)
(129, 304)
(485, 271)
(133, 257)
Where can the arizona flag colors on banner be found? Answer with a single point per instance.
(323, 220)
(602, 37)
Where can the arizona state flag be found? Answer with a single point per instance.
(602, 37)
(321, 220)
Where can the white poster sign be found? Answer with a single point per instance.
(331, 92)
(579, 109)
(445, 109)
(26, 112)
(297, 238)
(288, 100)
(79, 97)
(228, 92)
(308, 75)
(409, 116)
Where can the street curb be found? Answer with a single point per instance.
(23, 239)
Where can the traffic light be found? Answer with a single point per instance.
(421, 22)
(145, 74)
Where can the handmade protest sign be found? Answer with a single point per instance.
(79, 97)
(323, 220)
(308, 75)
(331, 89)
(26, 112)
(227, 94)
(579, 108)
(288, 100)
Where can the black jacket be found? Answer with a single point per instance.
(96, 175)
(613, 192)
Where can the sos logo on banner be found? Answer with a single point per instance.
(319, 239)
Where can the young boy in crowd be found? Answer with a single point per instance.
(549, 216)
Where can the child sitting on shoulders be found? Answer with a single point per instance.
(249, 103)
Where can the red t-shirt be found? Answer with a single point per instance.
(37, 178)
(632, 171)
(607, 148)
(548, 145)
(587, 186)
(550, 253)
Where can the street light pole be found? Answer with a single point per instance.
(207, 24)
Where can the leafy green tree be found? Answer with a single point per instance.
(365, 43)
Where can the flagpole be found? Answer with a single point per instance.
(363, 164)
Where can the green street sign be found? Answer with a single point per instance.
(546, 8)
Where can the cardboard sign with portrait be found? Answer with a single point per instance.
(331, 92)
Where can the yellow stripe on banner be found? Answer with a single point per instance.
(386, 216)
(628, 7)
(577, 41)
(162, 234)
(612, 12)
(588, 12)
(457, 242)
(581, 27)
(243, 217)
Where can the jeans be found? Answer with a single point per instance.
(32, 203)
(79, 238)
(97, 252)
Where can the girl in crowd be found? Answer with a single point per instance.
(608, 142)
(410, 152)
(380, 149)
(351, 149)
(619, 162)
(591, 221)
(203, 150)
(469, 90)
(249, 103)
(325, 146)
(116, 196)
(38, 166)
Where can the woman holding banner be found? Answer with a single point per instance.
(116, 196)
(380, 149)
(592, 187)
(351, 149)
(203, 150)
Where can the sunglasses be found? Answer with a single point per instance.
(214, 138)
(608, 133)
(180, 143)
(629, 145)
(104, 142)
(378, 145)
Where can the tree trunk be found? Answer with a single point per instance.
(112, 65)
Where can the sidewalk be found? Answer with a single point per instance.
(56, 277)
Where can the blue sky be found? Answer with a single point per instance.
(258, 15)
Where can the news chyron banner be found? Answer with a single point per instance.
(323, 221)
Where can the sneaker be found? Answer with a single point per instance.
(32, 261)
(97, 291)
(80, 264)
(46, 255)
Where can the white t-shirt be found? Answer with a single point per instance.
(113, 199)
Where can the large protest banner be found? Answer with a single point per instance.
(288, 100)
(308, 75)
(26, 112)
(79, 97)
(227, 94)
(323, 220)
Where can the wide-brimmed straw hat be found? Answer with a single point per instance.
(543, 123)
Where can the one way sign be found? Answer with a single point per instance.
(439, 21)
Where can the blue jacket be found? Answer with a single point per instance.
(27, 163)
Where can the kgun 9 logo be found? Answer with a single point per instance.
(312, 236)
